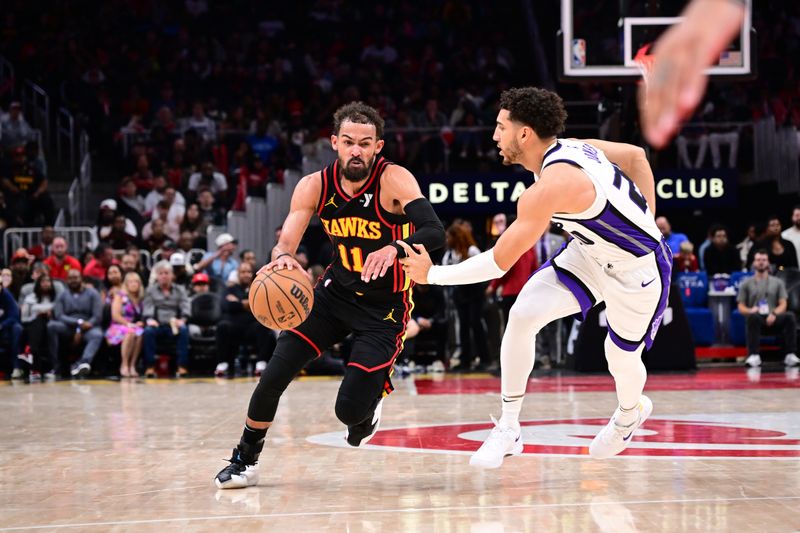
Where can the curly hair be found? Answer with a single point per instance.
(540, 109)
(461, 239)
(358, 113)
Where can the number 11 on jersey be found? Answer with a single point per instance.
(357, 256)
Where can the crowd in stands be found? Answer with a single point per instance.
(717, 254)
(209, 102)
(128, 311)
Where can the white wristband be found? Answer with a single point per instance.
(476, 269)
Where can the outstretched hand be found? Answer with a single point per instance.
(378, 262)
(417, 262)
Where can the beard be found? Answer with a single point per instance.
(511, 154)
(761, 269)
(357, 173)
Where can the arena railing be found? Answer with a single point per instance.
(79, 238)
(75, 202)
(36, 108)
(776, 155)
(65, 139)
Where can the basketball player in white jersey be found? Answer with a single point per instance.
(617, 255)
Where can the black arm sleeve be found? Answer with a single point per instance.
(429, 230)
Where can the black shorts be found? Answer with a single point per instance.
(377, 322)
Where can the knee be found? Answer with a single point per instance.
(753, 319)
(790, 318)
(351, 411)
(522, 317)
(275, 377)
(149, 332)
(52, 327)
(16, 329)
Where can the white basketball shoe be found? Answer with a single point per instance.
(503, 441)
(612, 439)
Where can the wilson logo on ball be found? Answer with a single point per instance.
(297, 292)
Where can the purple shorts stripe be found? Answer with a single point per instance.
(614, 238)
(585, 298)
(549, 262)
(614, 227)
(624, 344)
(664, 262)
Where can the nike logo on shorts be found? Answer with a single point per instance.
(648, 283)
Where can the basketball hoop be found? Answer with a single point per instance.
(645, 61)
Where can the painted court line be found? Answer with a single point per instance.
(399, 511)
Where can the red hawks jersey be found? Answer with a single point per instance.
(358, 225)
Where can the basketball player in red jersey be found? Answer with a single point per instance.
(366, 205)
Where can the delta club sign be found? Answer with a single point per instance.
(488, 193)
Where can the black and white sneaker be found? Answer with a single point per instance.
(237, 475)
(362, 432)
(80, 370)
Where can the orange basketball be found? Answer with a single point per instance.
(281, 299)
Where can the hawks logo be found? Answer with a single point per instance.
(352, 227)
(711, 436)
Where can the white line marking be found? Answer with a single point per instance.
(407, 510)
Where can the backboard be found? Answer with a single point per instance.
(599, 39)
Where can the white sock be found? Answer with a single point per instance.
(512, 405)
(627, 417)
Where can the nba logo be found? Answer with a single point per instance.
(578, 52)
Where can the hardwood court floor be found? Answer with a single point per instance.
(720, 453)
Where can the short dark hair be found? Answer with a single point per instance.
(358, 113)
(715, 228)
(101, 249)
(540, 109)
(762, 251)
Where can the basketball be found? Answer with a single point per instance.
(281, 299)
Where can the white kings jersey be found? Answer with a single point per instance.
(618, 225)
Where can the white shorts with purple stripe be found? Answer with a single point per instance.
(635, 290)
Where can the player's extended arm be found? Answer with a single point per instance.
(302, 208)
(633, 162)
(400, 185)
(562, 188)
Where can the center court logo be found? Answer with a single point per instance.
(708, 436)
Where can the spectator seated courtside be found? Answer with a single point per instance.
(762, 300)
(77, 315)
(166, 309)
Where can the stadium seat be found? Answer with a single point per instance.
(701, 323)
(737, 278)
(694, 289)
